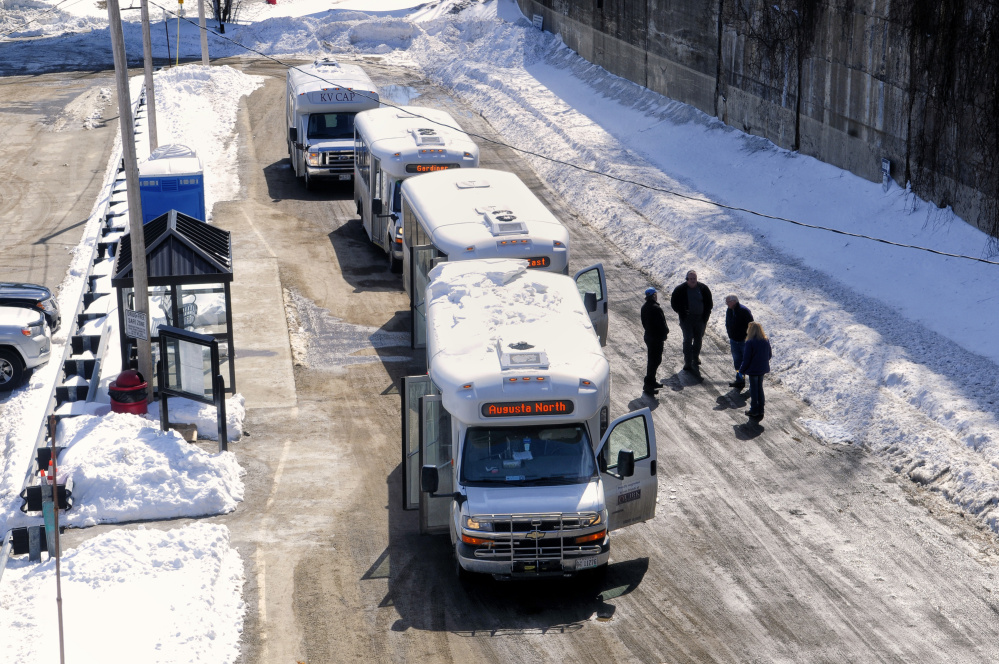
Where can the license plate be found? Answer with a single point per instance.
(345, 176)
(586, 563)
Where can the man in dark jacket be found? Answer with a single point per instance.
(737, 319)
(691, 301)
(656, 331)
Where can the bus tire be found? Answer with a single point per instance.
(394, 264)
(463, 576)
(309, 184)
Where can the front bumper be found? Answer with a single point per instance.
(526, 567)
(333, 174)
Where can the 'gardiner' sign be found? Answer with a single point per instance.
(527, 408)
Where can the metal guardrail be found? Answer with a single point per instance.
(74, 326)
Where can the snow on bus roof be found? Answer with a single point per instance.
(476, 307)
(391, 134)
(458, 196)
(323, 74)
(398, 121)
(453, 206)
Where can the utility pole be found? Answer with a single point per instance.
(204, 32)
(147, 50)
(139, 277)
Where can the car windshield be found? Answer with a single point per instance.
(331, 125)
(532, 455)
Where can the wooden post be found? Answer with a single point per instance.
(139, 278)
(204, 32)
(147, 65)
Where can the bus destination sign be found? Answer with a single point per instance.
(429, 168)
(527, 408)
(539, 261)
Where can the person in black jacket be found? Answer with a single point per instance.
(755, 364)
(656, 331)
(737, 320)
(691, 301)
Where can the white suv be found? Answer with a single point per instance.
(25, 343)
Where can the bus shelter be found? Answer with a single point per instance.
(189, 272)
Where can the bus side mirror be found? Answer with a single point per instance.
(376, 206)
(590, 301)
(293, 134)
(625, 463)
(429, 479)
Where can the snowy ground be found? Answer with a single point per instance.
(892, 346)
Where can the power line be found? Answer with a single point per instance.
(591, 170)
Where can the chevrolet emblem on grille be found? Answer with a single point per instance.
(534, 535)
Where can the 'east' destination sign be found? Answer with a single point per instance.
(527, 408)
(428, 168)
(539, 261)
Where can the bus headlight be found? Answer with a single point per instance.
(314, 159)
(474, 524)
(594, 520)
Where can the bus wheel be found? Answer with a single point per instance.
(462, 574)
(394, 264)
(308, 181)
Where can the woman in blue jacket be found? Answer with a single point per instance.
(755, 364)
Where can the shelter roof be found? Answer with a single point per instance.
(179, 250)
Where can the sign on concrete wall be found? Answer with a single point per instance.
(539, 21)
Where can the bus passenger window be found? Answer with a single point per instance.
(408, 226)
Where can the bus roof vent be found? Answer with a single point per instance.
(472, 184)
(504, 222)
(521, 355)
(326, 63)
(427, 137)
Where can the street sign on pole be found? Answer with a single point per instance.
(135, 325)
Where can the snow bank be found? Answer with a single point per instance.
(149, 596)
(187, 97)
(124, 468)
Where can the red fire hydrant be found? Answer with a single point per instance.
(128, 393)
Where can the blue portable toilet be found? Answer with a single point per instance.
(172, 179)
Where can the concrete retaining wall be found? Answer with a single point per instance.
(854, 107)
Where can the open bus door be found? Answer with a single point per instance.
(376, 204)
(592, 285)
(629, 499)
(413, 389)
(422, 259)
(436, 450)
(426, 440)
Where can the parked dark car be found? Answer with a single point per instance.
(31, 296)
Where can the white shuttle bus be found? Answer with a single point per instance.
(506, 444)
(390, 145)
(321, 102)
(459, 215)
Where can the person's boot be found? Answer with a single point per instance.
(739, 382)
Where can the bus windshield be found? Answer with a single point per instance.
(331, 125)
(533, 455)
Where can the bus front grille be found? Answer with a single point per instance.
(342, 160)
